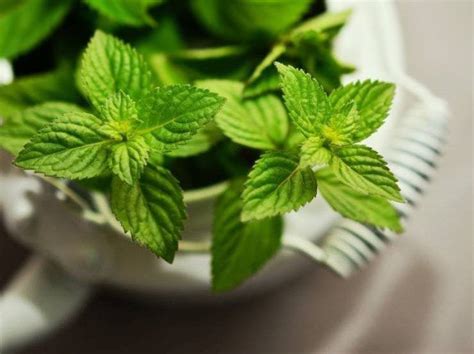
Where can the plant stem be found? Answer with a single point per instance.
(61, 186)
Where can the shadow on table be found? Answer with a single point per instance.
(301, 317)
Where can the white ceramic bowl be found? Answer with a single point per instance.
(98, 254)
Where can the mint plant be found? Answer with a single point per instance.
(133, 117)
(139, 126)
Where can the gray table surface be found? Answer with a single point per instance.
(417, 298)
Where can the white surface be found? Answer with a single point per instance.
(41, 298)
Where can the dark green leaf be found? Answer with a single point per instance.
(239, 249)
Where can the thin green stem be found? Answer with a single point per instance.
(210, 53)
(61, 186)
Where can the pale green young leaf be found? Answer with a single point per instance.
(364, 170)
(119, 107)
(313, 153)
(127, 12)
(57, 85)
(73, 146)
(259, 123)
(152, 210)
(277, 185)
(22, 125)
(26, 23)
(171, 115)
(120, 116)
(240, 249)
(128, 158)
(342, 125)
(373, 100)
(109, 66)
(361, 207)
(307, 103)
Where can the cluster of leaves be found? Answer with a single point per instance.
(281, 133)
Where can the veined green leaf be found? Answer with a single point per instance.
(357, 206)
(277, 185)
(313, 153)
(342, 125)
(364, 170)
(119, 107)
(57, 85)
(152, 210)
(26, 23)
(128, 159)
(259, 123)
(109, 66)
(173, 114)
(373, 100)
(307, 103)
(120, 115)
(22, 125)
(127, 12)
(73, 146)
(239, 249)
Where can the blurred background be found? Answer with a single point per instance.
(417, 298)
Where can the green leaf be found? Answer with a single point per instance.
(316, 56)
(239, 249)
(342, 125)
(268, 81)
(22, 125)
(173, 114)
(277, 185)
(57, 85)
(129, 158)
(121, 116)
(166, 71)
(73, 146)
(361, 207)
(364, 170)
(201, 142)
(164, 38)
(242, 20)
(119, 107)
(328, 24)
(259, 123)
(307, 103)
(152, 210)
(313, 153)
(373, 100)
(127, 12)
(26, 23)
(109, 66)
